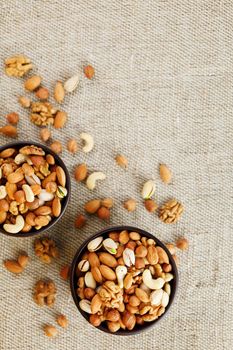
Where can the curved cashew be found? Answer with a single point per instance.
(91, 180)
(121, 272)
(20, 159)
(150, 282)
(17, 227)
(89, 142)
(156, 297)
(85, 305)
(28, 193)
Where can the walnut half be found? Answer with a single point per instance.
(17, 66)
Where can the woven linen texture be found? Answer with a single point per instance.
(163, 92)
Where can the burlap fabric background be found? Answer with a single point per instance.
(162, 93)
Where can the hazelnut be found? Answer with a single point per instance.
(80, 221)
(124, 237)
(131, 245)
(113, 315)
(42, 93)
(72, 146)
(95, 320)
(150, 205)
(56, 147)
(130, 205)
(24, 101)
(103, 213)
(89, 293)
(167, 267)
(107, 203)
(89, 71)
(12, 118)
(64, 272)
(80, 172)
(114, 236)
(121, 161)
(45, 134)
(62, 321)
(50, 331)
(129, 320)
(182, 244)
(113, 326)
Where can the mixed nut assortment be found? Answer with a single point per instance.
(32, 187)
(123, 280)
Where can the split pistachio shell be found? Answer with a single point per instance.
(85, 305)
(89, 280)
(83, 265)
(148, 189)
(110, 245)
(95, 244)
(121, 272)
(129, 257)
(61, 192)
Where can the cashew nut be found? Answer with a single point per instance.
(15, 228)
(121, 272)
(85, 305)
(156, 297)
(91, 180)
(20, 158)
(150, 282)
(28, 193)
(3, 192)
(89, 142)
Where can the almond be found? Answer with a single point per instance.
(108, 259)
(15, 177)
(13, 266)
(92, 206)
(56, 207)
(97, 274)
(59, 92)
(152, 255)
(80, 173)
(93, 259)
(107, 273)
(165, 173)
(96, 304)
(107, 203)
(72, 146)
(9, 130)
(80, 221)
(32, 83)
(37, 161)
(56, 147)
(64, 272)
(50, 178)
(60, 120)
(7, 153)
(61, 176)
(43, 210)
(89, 71)
(163, 257)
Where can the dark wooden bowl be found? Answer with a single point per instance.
(74, 279)
(64, 202)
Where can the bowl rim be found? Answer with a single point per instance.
(58, 160)
(105, 231)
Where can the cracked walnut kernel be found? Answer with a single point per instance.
(17, 66)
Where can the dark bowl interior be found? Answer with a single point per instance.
(74, 279)
(64, 202)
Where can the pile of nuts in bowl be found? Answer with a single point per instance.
(32, 187)
(123, 280)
